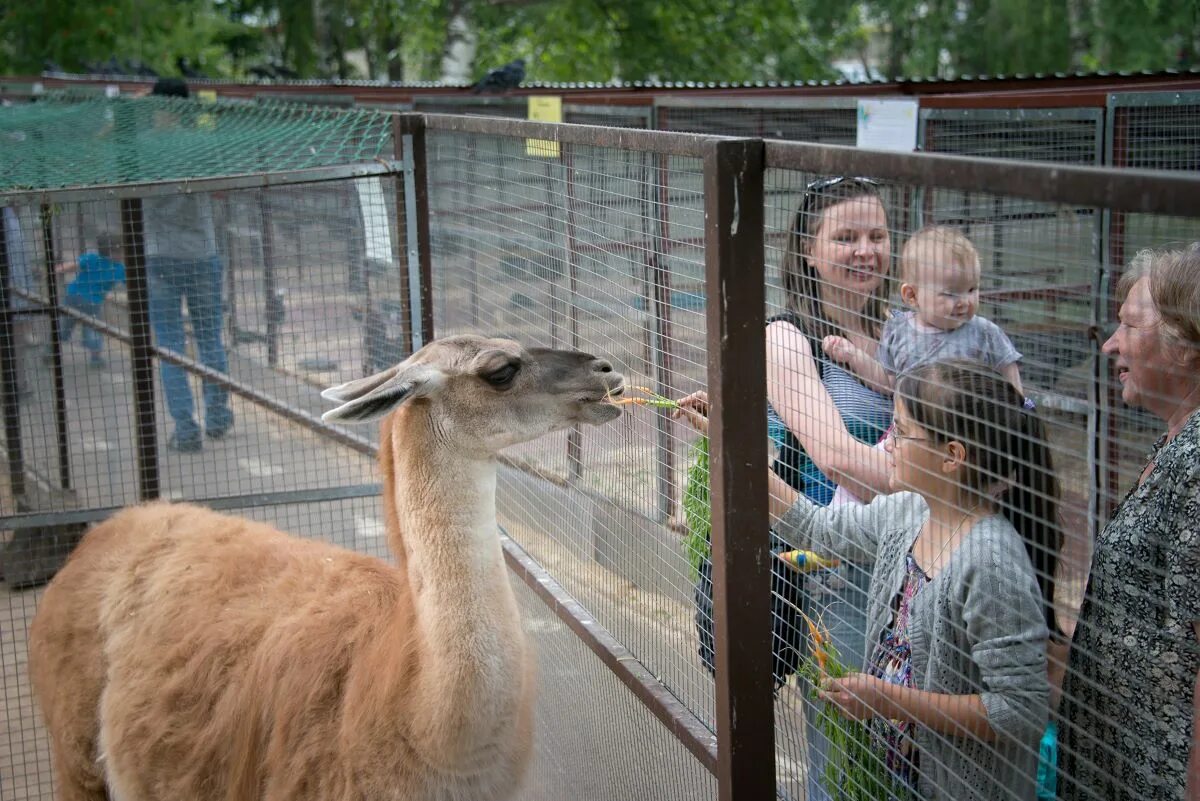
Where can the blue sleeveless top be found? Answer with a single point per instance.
(866, 413)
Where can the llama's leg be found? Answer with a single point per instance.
(119, 763)
(77, 777)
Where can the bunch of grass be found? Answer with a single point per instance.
(855, 769)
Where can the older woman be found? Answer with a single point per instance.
(1129, 700)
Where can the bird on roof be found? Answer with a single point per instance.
(503, 78)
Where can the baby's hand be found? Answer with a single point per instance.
(838, 348)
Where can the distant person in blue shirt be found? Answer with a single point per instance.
(99, 271)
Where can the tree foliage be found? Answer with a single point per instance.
(599, 40)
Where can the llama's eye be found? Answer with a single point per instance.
(502, 377)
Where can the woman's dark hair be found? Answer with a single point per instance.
(801, 285)
(1006, 446)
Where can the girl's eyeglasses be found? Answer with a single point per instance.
(896, 438)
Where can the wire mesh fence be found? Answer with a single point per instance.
(831, 121)
(1060, 135)
(997, 489)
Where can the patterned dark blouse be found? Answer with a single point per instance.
(1127, 698)
(892, 662)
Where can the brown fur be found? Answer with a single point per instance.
(185, 654)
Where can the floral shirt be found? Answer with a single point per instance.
(892, 662)
(1127, 697)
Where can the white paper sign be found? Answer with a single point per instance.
(887, 124)
(377, 234)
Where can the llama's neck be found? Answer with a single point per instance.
(442, 529)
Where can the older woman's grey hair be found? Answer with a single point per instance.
(1174, 282)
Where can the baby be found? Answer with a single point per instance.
(939, 270)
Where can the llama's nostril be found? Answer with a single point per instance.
(601, 366)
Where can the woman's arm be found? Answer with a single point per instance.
(861, 697)
(795, 390)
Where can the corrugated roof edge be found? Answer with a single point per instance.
(1032, 77)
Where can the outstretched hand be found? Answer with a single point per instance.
(694, 409)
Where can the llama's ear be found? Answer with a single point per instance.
(376, 396)
(359, 386)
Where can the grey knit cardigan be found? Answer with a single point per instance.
(976, 628)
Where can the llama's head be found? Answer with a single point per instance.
(485, 394)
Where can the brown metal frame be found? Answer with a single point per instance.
(1128, 190)
(142, 351)
(737, 368)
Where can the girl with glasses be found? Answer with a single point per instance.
(962, 560)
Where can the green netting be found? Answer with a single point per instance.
(73, 141)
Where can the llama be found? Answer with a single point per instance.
(185, 654)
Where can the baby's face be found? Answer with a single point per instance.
(946, 294)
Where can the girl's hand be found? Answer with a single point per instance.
(838, 348)
(694, 409)
(858, 696)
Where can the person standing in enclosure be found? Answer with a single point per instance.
(1129, 710)
(98, 272)
(183, 265)
(822, 419)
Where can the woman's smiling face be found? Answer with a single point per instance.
(1143, 362)
(851, 250)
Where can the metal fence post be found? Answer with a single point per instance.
(272, 305)
(567, 166)
(662, 350)
(9, 369)
(56, 368)
(408, 133)
(736, 318)
(142, 352)
(1109, 422)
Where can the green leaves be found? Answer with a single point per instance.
(697, 513)
(603, 40)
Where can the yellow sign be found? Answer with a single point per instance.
(544, 109)
(204, 119)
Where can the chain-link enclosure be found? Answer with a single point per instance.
(800, 487)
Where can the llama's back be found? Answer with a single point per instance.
(173, 629)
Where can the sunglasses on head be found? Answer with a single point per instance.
(814, 189)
